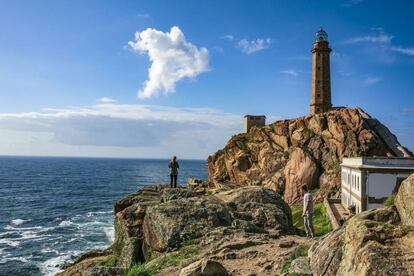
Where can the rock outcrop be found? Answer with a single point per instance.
(159, 222)
(287, 154)
(375, 242)
(404, 201)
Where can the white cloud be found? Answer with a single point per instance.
(291, 72)
(142, 15)
(382, 44)
(351, 3)
(228, 37)
(118, 130)
(402, 50)
(379, 38)
(172, 59)
(252, 46)
(372, 80)
(106, 100)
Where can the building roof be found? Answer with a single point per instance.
(254, 116)
(396, 163)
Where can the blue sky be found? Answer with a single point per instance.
(58, 58)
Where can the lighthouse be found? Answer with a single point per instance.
(321, 74)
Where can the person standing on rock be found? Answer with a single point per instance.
(173, 171)
(308, 212)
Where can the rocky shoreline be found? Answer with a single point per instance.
(244, 228)
(247, 231)
(240, 221)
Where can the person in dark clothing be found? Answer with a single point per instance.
(173, 171)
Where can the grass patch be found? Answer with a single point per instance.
(110, 261)
(302, 251)
(139, 270)
(390, 201)
(321, 222)
(173, 259)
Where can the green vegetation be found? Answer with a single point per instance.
(307, 133)
(172, 259)
(110, 261)
(302, 251)
(242, 144)
(188, 238)
(390, 201)
(139, 270)
(321, 222)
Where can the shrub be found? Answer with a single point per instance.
(390, 201)
(110, 261)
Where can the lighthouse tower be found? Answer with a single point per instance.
(321, 74)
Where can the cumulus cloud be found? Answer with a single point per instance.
(106, 100)
(172, 58)
(253, 46)
(290, 72)
(118, 130)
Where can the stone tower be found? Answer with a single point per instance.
(253, 120)
(321, 74)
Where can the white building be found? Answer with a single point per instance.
(368, 181)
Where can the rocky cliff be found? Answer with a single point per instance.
(247, 231)
(287, 154)
(158, 225)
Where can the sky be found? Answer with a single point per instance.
(152, 79)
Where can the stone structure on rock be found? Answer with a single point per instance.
(253, 120)
(321, 74)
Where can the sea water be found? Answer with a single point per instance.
(54, 209)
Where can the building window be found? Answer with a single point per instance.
(319, 81)
(319, 68)
(317, 109)
(318, 95)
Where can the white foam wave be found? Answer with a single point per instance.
(65, 223)
(20, 259)
(22, 236)
(49, 250)
(6, 233)
(51, 266)
(9, 227)
(110, 233)
(91, 214)
(10, 242)
(18, 221)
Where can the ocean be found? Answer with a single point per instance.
(53, 209)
